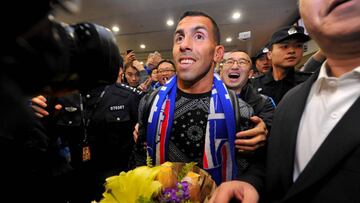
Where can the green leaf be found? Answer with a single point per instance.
(142, 199)
(188, 167)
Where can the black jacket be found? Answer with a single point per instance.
(332, 174)
(102, 123)
(265, 84)
(262, 104)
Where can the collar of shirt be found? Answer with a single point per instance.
(324, 80)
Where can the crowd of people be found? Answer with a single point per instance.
(263, 130)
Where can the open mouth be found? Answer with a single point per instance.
(234, 75)
(335, 4)
(185, 61)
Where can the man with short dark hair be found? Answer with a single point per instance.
(285, 52)
(192, 117)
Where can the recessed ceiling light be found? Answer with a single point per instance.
(115, 28)
(142, 46)
(229, 39)
(170, 22)
(236, 15)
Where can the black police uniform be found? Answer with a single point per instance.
(265, 84)
(94, 133)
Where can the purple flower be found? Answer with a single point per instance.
(177, 194)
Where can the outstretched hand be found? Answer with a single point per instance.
(235, 190)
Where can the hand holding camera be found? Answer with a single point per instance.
(130, 56)
(153, 60)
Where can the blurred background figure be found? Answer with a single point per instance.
(166, 69)
(131, 74)
(262, 63)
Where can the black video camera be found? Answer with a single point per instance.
(55, 54)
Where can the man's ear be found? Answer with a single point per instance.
(269, 55)
(219, 53)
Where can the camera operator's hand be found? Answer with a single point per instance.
(39, 104)
(130, 57)
(139, 67)
(252, 139)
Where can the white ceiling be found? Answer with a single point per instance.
(144, 21)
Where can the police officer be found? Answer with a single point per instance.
(285, 52)
(93, 133)
(262, 63)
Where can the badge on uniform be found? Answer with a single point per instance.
(86, 154)
(292, 31)
(70, 109)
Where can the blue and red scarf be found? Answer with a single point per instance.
(219, 153)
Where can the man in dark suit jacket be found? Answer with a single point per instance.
(314, 146)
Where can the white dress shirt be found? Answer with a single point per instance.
(328, 101)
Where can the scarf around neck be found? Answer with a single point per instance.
(219, 153)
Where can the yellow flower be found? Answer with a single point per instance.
(128, 187)
(167, 176)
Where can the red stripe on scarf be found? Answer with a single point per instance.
(205, 163)
(164, 126)
(224, 163)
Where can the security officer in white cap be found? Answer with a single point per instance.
(285, 52)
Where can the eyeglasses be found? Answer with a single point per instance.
(240, 62)
(166, 71)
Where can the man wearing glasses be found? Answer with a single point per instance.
(234, 73)
(166, 69)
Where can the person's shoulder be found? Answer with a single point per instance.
(258, 77)
(303, 73)
(127, 89)
(302, 76)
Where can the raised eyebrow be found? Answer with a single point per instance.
(196, 28)
(199, 27)
(180, 32)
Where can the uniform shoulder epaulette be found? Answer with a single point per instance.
(131, 89)
(258, 76)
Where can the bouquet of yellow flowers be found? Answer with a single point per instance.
(169, 182)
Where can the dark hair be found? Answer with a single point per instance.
(165, 61)
(216, 30)
(128, 65)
